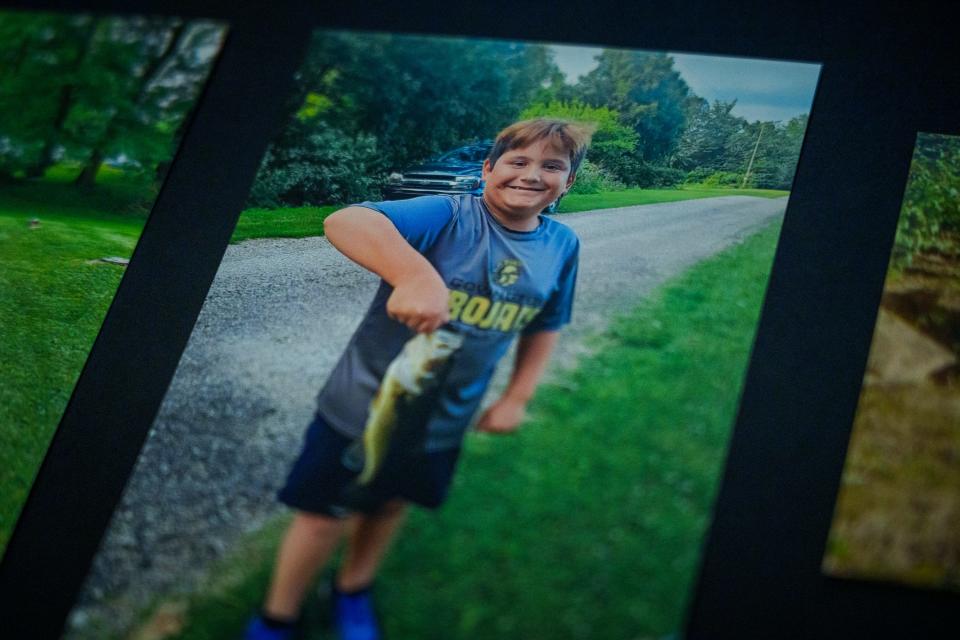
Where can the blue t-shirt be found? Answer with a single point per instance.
(502, 283)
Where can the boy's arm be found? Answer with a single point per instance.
(420, 297)
(533, 351)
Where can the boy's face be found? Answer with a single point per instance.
(524, 181)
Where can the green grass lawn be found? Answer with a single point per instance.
(128, 197)
(53, 297)
(586, 202)
(589, 522)
(290, 222)
(299, 222)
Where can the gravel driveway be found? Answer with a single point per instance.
(274, 322)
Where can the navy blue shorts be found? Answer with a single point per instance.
(322, 479)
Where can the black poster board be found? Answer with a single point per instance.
(887, 73)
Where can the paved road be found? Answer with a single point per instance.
(276, 318)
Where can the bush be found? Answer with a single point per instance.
(658, 176)
(711, 178)
(324, 166)
(770, 177)
(632, 171)
(594, 179)
(626, 167)
(930, 208)
(698, 176)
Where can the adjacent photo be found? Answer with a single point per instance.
(470, 364)
(92, 109)
(897, 517)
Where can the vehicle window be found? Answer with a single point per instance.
(452, 156)
(479, 154)
(465, 154)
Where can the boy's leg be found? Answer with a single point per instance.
(369, 539)
(307, 545)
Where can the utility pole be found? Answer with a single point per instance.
(752, 156)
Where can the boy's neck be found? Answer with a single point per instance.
(523, 223)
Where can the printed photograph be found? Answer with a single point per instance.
(470, 364)
(897, 517)
(92, 109)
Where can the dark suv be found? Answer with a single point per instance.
(454, 172)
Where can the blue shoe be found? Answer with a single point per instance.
(354, 617)
(258, 630)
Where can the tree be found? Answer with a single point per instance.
(777, 152)
(611, 140)
(78, 88)
(646, 91)
(42, 62)
(703, 144)
(533, 76)
(931, 202)
(323, 166)
(788, 152)
(409, 96)
(164, 72)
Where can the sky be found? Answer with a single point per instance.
(764, 89)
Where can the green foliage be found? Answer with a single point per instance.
(628, 167)
(412, 97)
(40, 59)
(84, 89)
(611, 139)
(777, 152)
(931, 202)
(314, 104)
(717, 145)
(646, 91)
(594, 179)
(703, 144)
(401, 98)
(786, 152)
(709, 178)
(658, 177)
(324, 165)
(615, 149)
(633, 171)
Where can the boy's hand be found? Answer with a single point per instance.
(420, 301)
(503, 416)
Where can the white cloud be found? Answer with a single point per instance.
(575, 61)
(764, 89)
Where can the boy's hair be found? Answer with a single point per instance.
(573, 137)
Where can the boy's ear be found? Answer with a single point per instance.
(570, 179)
(487, 168)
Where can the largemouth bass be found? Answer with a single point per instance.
(411, 375)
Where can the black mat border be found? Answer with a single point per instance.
(887, 75)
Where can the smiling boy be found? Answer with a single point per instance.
(461, 277)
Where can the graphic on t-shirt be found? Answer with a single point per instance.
(482, 312)
(411, 374)
(508, 272)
